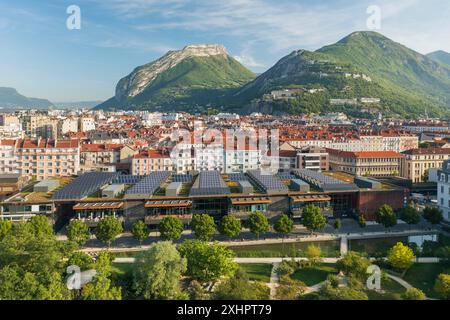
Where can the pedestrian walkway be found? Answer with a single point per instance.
(344, 246)
(274, 281)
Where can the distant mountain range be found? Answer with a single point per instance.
(441, 56)
(196, 75)
(10, 98)
(362, 65)
(77, 104)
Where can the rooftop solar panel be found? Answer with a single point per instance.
(237, 177)
(326, 183)
(149, 184)
(185, 178)
(84, 185)
(209, 183)
(127, 179)
(267, 182)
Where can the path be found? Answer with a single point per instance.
(274, 281)
(314, 288)
(344, 246)
(402, 282)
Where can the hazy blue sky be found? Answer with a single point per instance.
(40, 57)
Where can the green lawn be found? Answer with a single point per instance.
(423, 276)
(392, 291)
(295, 249)
(258, 271)
(314, 275)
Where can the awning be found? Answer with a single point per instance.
(98, 205)
(250, 200)
(168, 203)
(311, 198)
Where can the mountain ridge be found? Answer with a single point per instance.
(11, 98)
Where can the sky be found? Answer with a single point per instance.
(41, 57)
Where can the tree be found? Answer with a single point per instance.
(257, 223)
(40, 226)
(410, 215)
(230, 226)
(239, 287)
(158, 272)
(284, 225)
(426, 175)
(108, 229)
(328, 292)
(414, 294)
(207, 262)
(170, 228)
(81, 259)
(354, 264)
(197, 292)
(400, 257)
(78, 232)
(386, 216)
(5, 228)
(101, 286)
(313, 219)
(139, 231)
(442, 286)
(289, 289)
(337, 224)
(313, 253)
(203, 226)
(433, 215)
(362, 221)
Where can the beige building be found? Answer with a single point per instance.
(8, 159)
(40, 126)
(366, 163)
(417, 162)
(151, 160)
(45, 158)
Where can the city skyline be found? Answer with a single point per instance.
(46, 60)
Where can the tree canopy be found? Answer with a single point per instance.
(230, 226)
(313, 219)
(108, 229)
(170, 228)
(257, 223)
(386, 216)
(203, 226)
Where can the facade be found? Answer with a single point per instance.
(8, 159)
(443, 186)
(312, 158)
(417, 162)
(44, 158)
(375, 163)
(150, 161)
(40, 126)
(99, 157)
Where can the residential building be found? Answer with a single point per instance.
(417, 162)
(366, 163)
(8, 159)
(443, 186)
(44, 158)
(312, 158)
(150, 161)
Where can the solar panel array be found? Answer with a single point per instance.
(84, 185)
(185, 178)
(286, 176)
(209, 183)
(149, 184)
(267, 182)
(127, 179)
(237, 177)
(324, 182)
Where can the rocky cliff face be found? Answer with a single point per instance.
(136, 82)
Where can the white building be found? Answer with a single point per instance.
(87, 124)
(8, 159)
(443, 186)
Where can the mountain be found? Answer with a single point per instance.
(10, 98)
(363, 64)
(77, 104)
(195, 75)
(441, 56)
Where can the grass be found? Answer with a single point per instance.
(314, 275)
(296, 249)
(423, 276)
(258, 271)
(392, 290)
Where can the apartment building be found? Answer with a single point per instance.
(67, 125)
(45, 158)
(312, 158)
(8, 159)
(99, 157)
(87, 124)
(40, 126)
(10, 127)
(443, 188)
(241, 157)
(417, 162)
(151, 160)
(366, 163)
